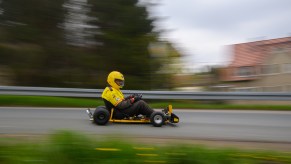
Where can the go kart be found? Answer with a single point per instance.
(102, 115)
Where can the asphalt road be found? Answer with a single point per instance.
(254, 126)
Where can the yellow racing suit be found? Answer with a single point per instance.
(116, 98)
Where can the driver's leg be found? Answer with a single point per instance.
(143, 108)
(139, 107)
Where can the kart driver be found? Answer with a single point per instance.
(129, 106)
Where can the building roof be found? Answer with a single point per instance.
(253, 53)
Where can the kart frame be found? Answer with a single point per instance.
(102, 115)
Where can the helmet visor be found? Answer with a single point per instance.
(119, 82)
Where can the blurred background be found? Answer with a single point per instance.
(157, 45)
(179, 45)
(76, 43)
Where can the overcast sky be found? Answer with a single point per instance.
(202, 28)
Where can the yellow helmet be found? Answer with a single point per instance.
(115, 79)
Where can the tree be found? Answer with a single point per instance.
(30, 37)
(127, 32)
(76, 43)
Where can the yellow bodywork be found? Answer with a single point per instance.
(170, 109)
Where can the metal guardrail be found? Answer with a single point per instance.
(96, 93)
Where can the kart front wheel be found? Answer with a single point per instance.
(157, 119)
(101, 115)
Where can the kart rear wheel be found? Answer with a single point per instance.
(157, 119)
(101, 115)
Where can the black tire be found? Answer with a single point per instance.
(157, 119)
(101, 115)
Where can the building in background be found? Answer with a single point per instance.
(260, 66)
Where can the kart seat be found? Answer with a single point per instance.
(117, 113)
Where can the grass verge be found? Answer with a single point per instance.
(70, 147)
(45, 101)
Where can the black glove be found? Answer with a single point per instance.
(137, 97)
(128, 97)
(131, 96)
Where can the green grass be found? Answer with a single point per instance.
(70, 147)
(45, 101)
